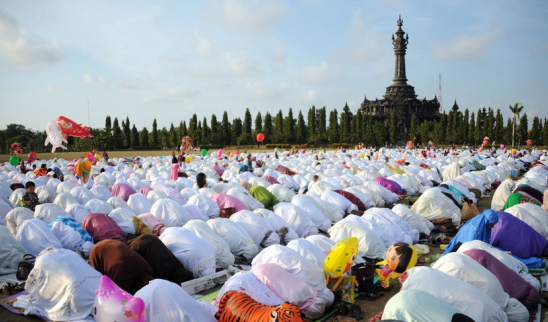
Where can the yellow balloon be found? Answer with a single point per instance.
(188, 159)
(341, 257)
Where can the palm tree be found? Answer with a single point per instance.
(516, 109)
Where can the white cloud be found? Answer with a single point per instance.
(92, 80)
(372, 50)
(20, 50)
(51, 88)
(357, 24)
(252, 15)
(182, 92)
(266, 91)
(240, 65)
(277, 60)
(203, 45)
(466, 46)
(171, 95)
(319, 74)
(309, 96)
(134, 84)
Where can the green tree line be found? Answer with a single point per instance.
(316, 127)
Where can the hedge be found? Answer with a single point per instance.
(338, 145)
(279, 145)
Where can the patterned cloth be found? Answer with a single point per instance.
(71, 235)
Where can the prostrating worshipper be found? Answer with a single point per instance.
(264, 196)
(417, 305)
(166, 301)
(164, 264)
(101, 227)
(121, 264)
(466, 269)
(453, 170)
(478, 228)
(463, 296)
(61, 286)
(517, 198)
(504, 257)
(511, 282)
(513, 235)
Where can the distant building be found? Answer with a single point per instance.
(400, 98)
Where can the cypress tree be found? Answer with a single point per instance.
(259, 123)
(154, 134)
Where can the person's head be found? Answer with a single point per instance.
(491, 218)
(43, 166)
(173, 159)
(315, 178)
(30, 186)
(34, 167)
(102, 170)
(201, 180)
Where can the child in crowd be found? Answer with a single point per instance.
(30, 198)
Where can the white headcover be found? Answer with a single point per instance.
(369, 243)
(455, 292)
(35, 236)
(223, 256)
(55, 270)
(193, 252)
(166, 301)
(238, 239)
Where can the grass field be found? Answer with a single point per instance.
(117, 154)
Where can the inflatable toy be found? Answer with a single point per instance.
(83, 166)
(341, 257)
(54, 136)
(32, 156)
(236, 306)
(70, 128)
(399, 258)
(114, 304)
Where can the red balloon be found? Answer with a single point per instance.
(32, 156)
(260, 137)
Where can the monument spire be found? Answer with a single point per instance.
(400, 46)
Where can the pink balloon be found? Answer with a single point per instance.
(220, 154)
(502, 146)
(114, 304)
